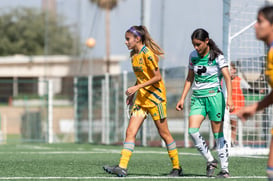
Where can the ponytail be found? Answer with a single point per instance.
(150, 43)
(202, 35)
(214, 50)
(146, 39)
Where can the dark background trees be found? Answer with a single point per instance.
(32, 32)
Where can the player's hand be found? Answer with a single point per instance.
(230, 105)
(246, 112)
(131, 90)
(129, 100)
(180, 105)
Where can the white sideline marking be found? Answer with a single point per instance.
(103, 151)
(113, 178)
(180, 153)
(89, 152)
(143, 152)
(34, 147)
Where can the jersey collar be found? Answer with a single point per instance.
(142, 49)
(206, 56)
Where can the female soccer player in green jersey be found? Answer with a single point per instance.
(207, 65)
(264, 32)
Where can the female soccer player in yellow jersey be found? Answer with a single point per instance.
(207, 66)
(264, 32)
(150, 98)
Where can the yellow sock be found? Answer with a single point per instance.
(173, 154)
(125, 157)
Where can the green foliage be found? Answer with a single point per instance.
(24, 31)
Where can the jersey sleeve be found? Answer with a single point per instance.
(222, 62)
(151, 60)
(190, 66)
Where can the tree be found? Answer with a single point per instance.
(107, 5)
(23, 32)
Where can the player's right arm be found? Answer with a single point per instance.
(129, 100)
(248, 111)
(187, 86)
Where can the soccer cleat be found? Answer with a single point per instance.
(120, 172)
(211, 167)
(176, 172)
(223, 174)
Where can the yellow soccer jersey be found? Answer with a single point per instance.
(269, 68)
(143, 65)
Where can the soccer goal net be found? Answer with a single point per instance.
(249, 57)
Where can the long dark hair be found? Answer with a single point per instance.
(267, 12)
(146, 39)
(202, 35)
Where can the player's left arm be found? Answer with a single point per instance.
(227, 78)
(250, 110)
(151, 61)
(156, 78)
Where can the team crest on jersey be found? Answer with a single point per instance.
(194, 60)
(138, 68)
(211, 62)
(150, 58)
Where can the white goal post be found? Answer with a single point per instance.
(241, 46)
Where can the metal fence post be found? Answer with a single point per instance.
(75, 81)
(125, 117)
(211, 137)
(163, 144)
(143, 131)
(240, 133)
(50, 112)
(90, 109)
(186, 117)
(103, 110)
(107, 107)
(116, 111)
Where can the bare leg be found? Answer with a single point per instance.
(165, 134)
(163, 130)
(129, 143)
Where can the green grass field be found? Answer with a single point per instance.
(85, 161)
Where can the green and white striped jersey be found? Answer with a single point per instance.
(207, 74)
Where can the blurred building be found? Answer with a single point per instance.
(60, 68)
